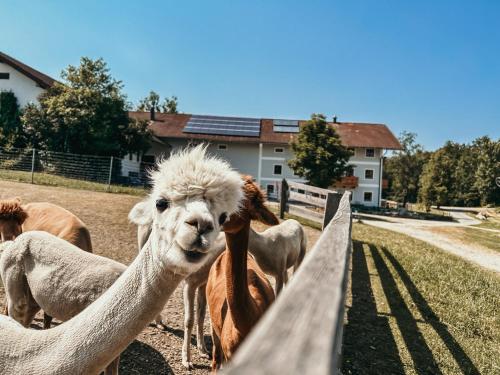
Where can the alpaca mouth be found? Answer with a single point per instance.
(193, 256)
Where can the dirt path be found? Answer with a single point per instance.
(154, 351)
(426, 230)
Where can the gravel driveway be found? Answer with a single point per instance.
(425, 230)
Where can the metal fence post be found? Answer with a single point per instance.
(332, 205)
(110, 173)
(33, 166)
(283, 198)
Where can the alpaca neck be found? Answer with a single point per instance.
(258, 244)
(240, 302)
(109, 324)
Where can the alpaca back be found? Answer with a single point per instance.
(63, 279)
(53, 219)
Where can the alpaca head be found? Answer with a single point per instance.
(193, 194)
(12, 217)
(253, 208)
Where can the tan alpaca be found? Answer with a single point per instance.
(238, 292)
(199, 192)
(16, 218)
(279, 248)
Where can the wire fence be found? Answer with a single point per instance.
(30, 164)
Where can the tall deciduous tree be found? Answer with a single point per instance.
(11, 132)
(404, 167)
(488, 167)
(437, 181)
(320, 156)
(86, 114)
(169, 105)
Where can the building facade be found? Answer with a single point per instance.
(263, 150)
(25, 82)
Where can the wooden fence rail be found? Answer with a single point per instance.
(302, 332)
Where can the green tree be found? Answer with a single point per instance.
(86, 114)
(437, 180)
(320, 156)
(169, 105)
(403, 169)
(11, 131)
(488, 167)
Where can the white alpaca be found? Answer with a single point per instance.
(62, 288)
(193, 287)
(278, 248)
(200, 192)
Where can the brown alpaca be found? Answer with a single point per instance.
(16, 219)
(238, 292)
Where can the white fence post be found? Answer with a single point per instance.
(33, 166)
(110, 173)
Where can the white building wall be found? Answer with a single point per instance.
(361, 163)
(25, 89)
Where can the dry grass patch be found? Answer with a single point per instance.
(415, 309)
(471, 236)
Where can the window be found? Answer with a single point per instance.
(367, 196)
(350, 171)
(149, 159)
(278, 169)
(279, 150)
(368, 174)
(222, 147)
(270, 190)
(370, 153)
(4, 75)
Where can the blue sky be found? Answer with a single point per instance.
(431, 67)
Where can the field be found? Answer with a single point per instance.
(154, 351)
(417, 310)
(411, 308)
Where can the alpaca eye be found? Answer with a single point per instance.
(222, 218)
(162, 204)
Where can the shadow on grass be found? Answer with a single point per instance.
(369, 345)
(430, 317)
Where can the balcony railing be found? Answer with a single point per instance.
(348, 182)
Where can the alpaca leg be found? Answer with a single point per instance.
(285, 277)
(47, 319)
(19, 306)
(201, 309)
(112, 368)
(159, 323)
(189, 294)
(279, 284)
(216, 352)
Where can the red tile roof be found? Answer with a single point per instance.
(43, 80)
(351, 134)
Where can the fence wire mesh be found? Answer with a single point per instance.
(32, 163)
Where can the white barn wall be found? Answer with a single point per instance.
(25, 89)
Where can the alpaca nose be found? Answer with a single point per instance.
(202, 226)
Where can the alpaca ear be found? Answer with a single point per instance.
(265, 216)
(141, 213)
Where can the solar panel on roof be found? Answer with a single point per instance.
(286, 126)
(233, 126)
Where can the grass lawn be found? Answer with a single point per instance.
(53, 180)
(487, 239)
(415, 309)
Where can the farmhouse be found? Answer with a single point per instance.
(25, 82)
(260, 147)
